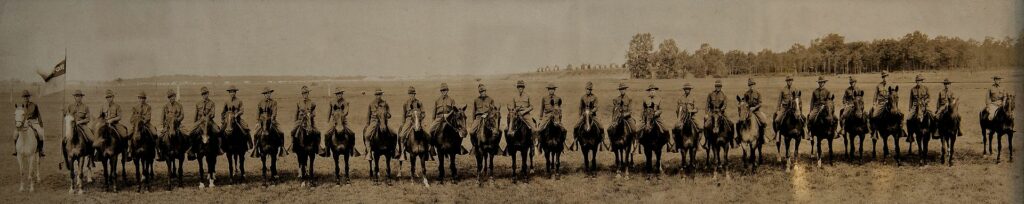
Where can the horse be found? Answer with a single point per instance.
(143, 151)
(997, 121)
(448, 141)
(519, 139)
(27, 147)
(822, 126)
(269, 142)
(552, 142)
(622, 138)
(749, 134)
(686, 136)
(653, 137)
(76, 147)
(854, 126)
(235, 145)
(718, 137)
(172, 147)
(206, 145)
(383, 142)
(947, 129)
(341, 144)
(486, 139)
(306, 146)
(790, 130)
(920, 127)
(589, 135)
(109, 146)
(415, 143)
(888, 122)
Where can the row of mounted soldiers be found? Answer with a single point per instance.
(173, 114)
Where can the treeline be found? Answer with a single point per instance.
(828, 54)
(580, 67)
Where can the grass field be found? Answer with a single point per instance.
(975, 178)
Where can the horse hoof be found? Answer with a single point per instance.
(202, 186)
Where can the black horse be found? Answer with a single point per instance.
(306, 147)
(268, 144)
(822, 126)
(448, 141)
(888, 122)
(997, 121)
(110, 145)
(341, 145)
(718, 136)
(143, 150)
(686, 136)
(519, 139)
(414, 145)
(855, 129)
(790, 129)
(235, 145)
(552, 143)
(947, 124)
(172, 147)
(485, 140)
(653, 137)
(383, 142)
(622, 137)
(206, 139)
(589, 135)
(920, 127)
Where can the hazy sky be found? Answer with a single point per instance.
(109, 39)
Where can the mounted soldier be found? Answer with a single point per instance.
(820, 98)
(412, 110)
(881, 94)
(234, 109)
(944, 104)
(521, 106)
(753, 99)
(34, 121)
(551, 108)
(484, 108)
(996, 97)
(716, 105)
(443, 106)
(204, 119)
(267, 122)
(111, 116)
(588, 105)
(378, 114)
(173, 114)
(853, 101)
(919, 96)
(787, 100)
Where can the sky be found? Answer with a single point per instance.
(105, 40)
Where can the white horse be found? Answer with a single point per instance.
(27, 147)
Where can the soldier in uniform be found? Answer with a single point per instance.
(551, 107)
(443, 106)
(819, 97)
(753, 99)
(412, 108)
(652, 109)
(267, 119)
(853, 100)
(142, 113)
(204, 116)
(686, 105)
(378, 115)
(716, 105)
(483, 107)
(338, 117)
(588, 102)
(110, 114)
(996, 97)
(305, 115)
(173, 114)
(919, 96)
(944, 103)
(881, 94)
(621, 110)
(233, 109)
(521, 105)
(787, 100)
(33, 120)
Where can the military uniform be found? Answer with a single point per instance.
(919, 97)
(652, 110)
(522, 106)
(551, 108)
(853, 100)
(266, 112)
(172, 116)
(996, 99)
(79, 111)
(787, 101)
(753, 100)
(233, 108)
(687, 106)
(820, 98)
(305, 115)
(621, 110)
(443, 106)
(339, 114)
(412, 110)
(205, 115)
(111, 115)
(945, 104)
(34, 121)
(142, 113)
(484, 105)
(881, 95)
(588, 102)
(716, 106)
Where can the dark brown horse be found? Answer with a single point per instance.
(306, 148)
(822, 125)
(622, 138)
(947, 128)
(206, 138)
(719, 137)
(448, 141)
(855, 127)
(143, 151)
(235, 145)
(888, 122)
(519, 141)
(383, 142)
(920, 127)
(653, 137)
(997, 121)
(109, 145)
(790, 130)
(172, 147)
(552, 144)
(589, 136)
(76, 146)
(341, 144)
(749, 134)
(485, 142)
(414, 145)
(686, 136)
(268, 144)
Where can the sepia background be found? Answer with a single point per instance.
(153, 46)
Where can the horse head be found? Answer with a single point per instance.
(587, 119)
(229, 125)
(743, 109)
(19, 116)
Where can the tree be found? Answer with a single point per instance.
(667, 64)
(639, 57)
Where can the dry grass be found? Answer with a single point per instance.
(974, 178)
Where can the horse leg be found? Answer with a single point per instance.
(818, 153)
(861, 150)
(885, 146)
(347, 180)
(211, 161)
(263, 160)
(1009, 142)
(479, 168)
(440, 167)
(138, 172)
(337, 169)
(952, 142)
(452, 167)
(423, 169)
(241, 164)
(830, 156)
(273, 167)
(999, 146)
(896, 143)
(789, 160)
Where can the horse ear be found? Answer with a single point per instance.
(738, 98)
